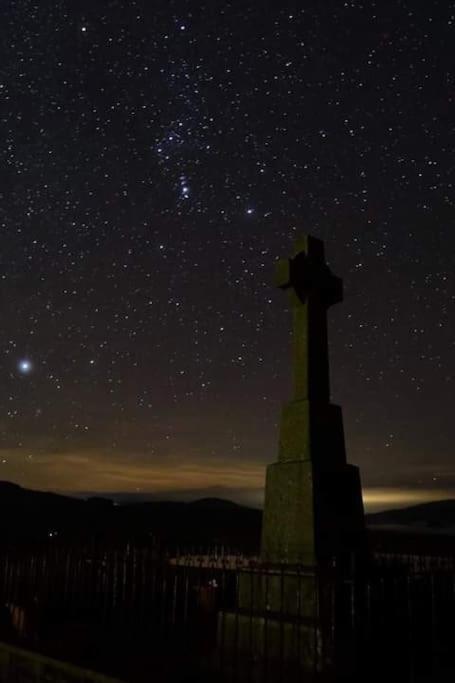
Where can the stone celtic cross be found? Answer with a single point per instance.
(313, 507)
(312, 289)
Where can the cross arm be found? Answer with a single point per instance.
(283, 273)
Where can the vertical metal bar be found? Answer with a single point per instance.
(300, 631)
(174, 597)
(317, 626)
(282, 616)
(434, 628)
(266, 626)
(236, 627)
(331, 588)
(352, 655)
(366, 643)
(410, 628)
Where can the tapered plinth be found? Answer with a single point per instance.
(313, 508)
(311, 516)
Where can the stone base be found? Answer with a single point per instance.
(313, 507)
(255, 644)
(281, 624)
(311, 515)
(282, 591)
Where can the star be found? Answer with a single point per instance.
(25, 366)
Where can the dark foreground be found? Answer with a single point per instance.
(134, 613)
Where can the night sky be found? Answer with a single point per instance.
(156, 158)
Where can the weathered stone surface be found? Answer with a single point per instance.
(312, 431)
(312, 288)
(270, 648)
(311, 513)
(280, 591)
(288, 527)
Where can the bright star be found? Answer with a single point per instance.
(25, 366)
(250, 211)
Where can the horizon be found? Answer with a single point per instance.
(374, 500)
(378, 499)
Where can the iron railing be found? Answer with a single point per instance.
(131, 611)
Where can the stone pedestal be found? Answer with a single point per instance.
(313, 515)
(313, 508)
(279, 626)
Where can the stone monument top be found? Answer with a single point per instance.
(307, 274)
(312, 289)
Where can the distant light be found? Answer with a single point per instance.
(84, 29)
(25, 366)
(250, 211)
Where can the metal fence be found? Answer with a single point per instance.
(131, 612)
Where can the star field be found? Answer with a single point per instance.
(156, 159)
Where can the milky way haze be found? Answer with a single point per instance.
(157, 157)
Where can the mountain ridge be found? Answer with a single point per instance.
(32, 515)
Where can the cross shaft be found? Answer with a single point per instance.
(312, 289)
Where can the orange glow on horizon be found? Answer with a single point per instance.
(96, 471)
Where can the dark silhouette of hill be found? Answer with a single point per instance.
(13, 494)
(198, 523)
(435, 515)
(216, 503)
(27, 515)
(34, 515)
(426, 529)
